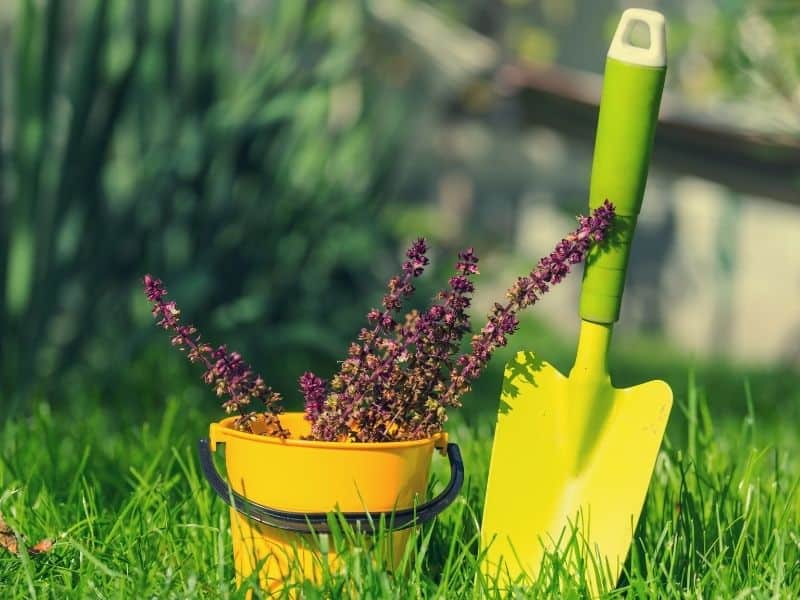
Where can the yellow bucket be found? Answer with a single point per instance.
(281, 491)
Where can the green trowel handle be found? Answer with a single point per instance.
(632, 86)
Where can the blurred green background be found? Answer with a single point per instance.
(269, 160)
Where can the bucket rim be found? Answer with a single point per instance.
(224, 428)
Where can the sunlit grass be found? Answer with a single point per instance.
(132, 517)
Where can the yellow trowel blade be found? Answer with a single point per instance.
(547, 486)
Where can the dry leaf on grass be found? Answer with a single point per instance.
(8, 540)
(40, 547)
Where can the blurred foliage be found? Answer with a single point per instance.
(719, 49)
(746, 49)
(241, 151)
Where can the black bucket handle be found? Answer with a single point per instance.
(317, 522)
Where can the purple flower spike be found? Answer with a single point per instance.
(352, 409)
(314, 390)
(226, 372)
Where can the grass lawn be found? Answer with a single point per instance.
(115, 483)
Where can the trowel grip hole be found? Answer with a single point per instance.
(637, 34)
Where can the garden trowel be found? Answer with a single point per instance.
(572, 456)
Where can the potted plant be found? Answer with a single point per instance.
(363, 445)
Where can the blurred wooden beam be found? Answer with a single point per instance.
(750, 162)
